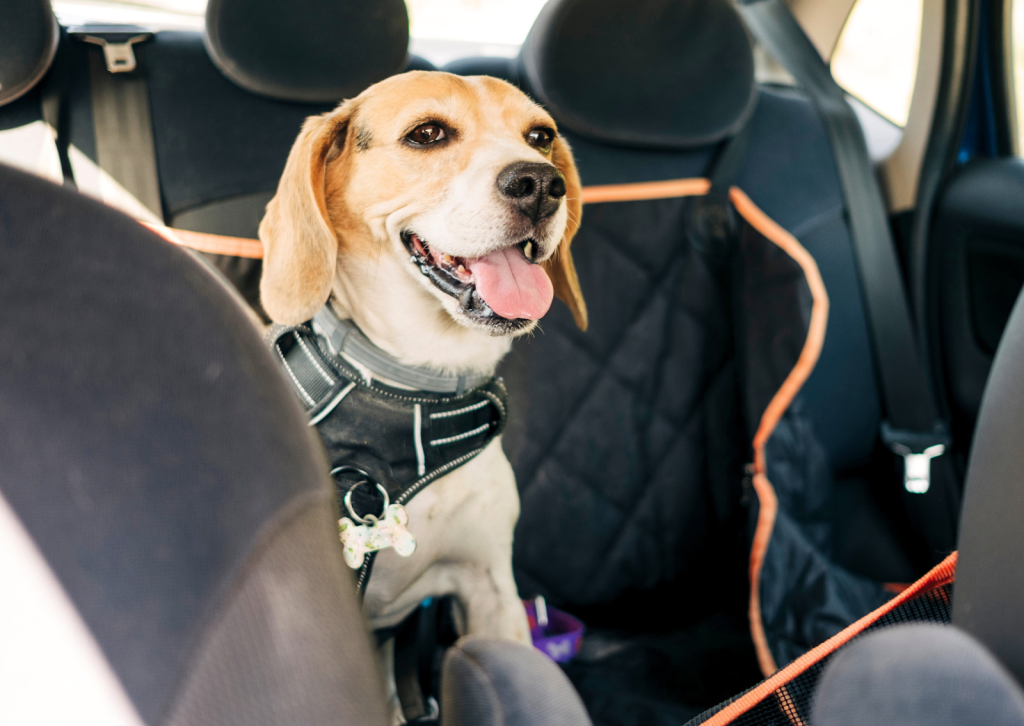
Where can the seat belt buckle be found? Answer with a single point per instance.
(917, 448)
(116, 41)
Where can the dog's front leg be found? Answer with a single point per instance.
(490, 603)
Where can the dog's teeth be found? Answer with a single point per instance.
(447, 259)
(528, 250)
(462, 268)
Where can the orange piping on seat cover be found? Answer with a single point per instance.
(238, 247)
(213, 243)
(777, 407)
(942, 574)
(643, 191)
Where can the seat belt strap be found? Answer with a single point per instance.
(728, 160)
(909, 401)
(56, 114)
(913, 429)
(120, 111)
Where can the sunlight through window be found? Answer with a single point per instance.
(876, 57)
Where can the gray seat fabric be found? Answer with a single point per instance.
(494, 683)
(157, 458)
(917, 675)
(989, 601)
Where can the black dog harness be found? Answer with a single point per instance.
(384, 443)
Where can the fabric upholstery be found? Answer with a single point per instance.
(295, 594)
(155, 454)
(575, 394)
(917, 675)
(990, 575)
(495, 683)
(307, 50)
(590, 61)
(28, 36)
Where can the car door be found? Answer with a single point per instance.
(967, 266)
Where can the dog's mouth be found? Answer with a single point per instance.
(503, 287)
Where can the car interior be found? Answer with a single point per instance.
(167, 515)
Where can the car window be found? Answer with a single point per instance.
(875, 59)
(441, 30)
(1017, 73)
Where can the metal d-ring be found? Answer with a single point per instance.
(348, 495)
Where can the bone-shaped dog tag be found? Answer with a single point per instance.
(394, 524)
(388, 531)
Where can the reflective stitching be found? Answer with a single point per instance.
(312, 358)
(460, 437)
(460, 411)
(295, 380)
(332, 405)
(417, 438)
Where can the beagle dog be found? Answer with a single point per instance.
(435, 212)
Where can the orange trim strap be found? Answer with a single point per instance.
(776, 408)
(237, 247)
(942, 574)
(214, 243)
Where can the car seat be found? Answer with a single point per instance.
(168, 533)
(627, 441)
(944, 654)
(224, 106)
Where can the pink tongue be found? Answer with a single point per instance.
(511, 286)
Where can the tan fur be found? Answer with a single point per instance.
(350, 188)
(334, 198)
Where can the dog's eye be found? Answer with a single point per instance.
(541, 139)
(426, 134)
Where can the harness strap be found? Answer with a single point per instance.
(345, 338)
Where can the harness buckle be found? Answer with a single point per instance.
(917, 448)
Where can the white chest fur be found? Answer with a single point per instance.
(463, 524)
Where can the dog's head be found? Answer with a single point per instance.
(462, 182)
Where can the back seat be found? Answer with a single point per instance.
(788, 170)
(221, 141)
(631, 518)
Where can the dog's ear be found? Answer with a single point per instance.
(559, 266)
(300, 248)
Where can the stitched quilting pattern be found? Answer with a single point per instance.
(611, 431)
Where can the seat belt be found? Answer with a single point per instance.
(120, 111)
(913, 428)
(57, 115)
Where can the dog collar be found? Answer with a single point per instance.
(343, 337)
(384, 444)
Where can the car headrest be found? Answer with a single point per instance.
(653, 73)
(312, 51)
(28, 36)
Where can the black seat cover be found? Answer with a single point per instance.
(307, 50)
(157, 459)
(988, 601)
(609, 430)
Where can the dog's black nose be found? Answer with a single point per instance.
(535, 189)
